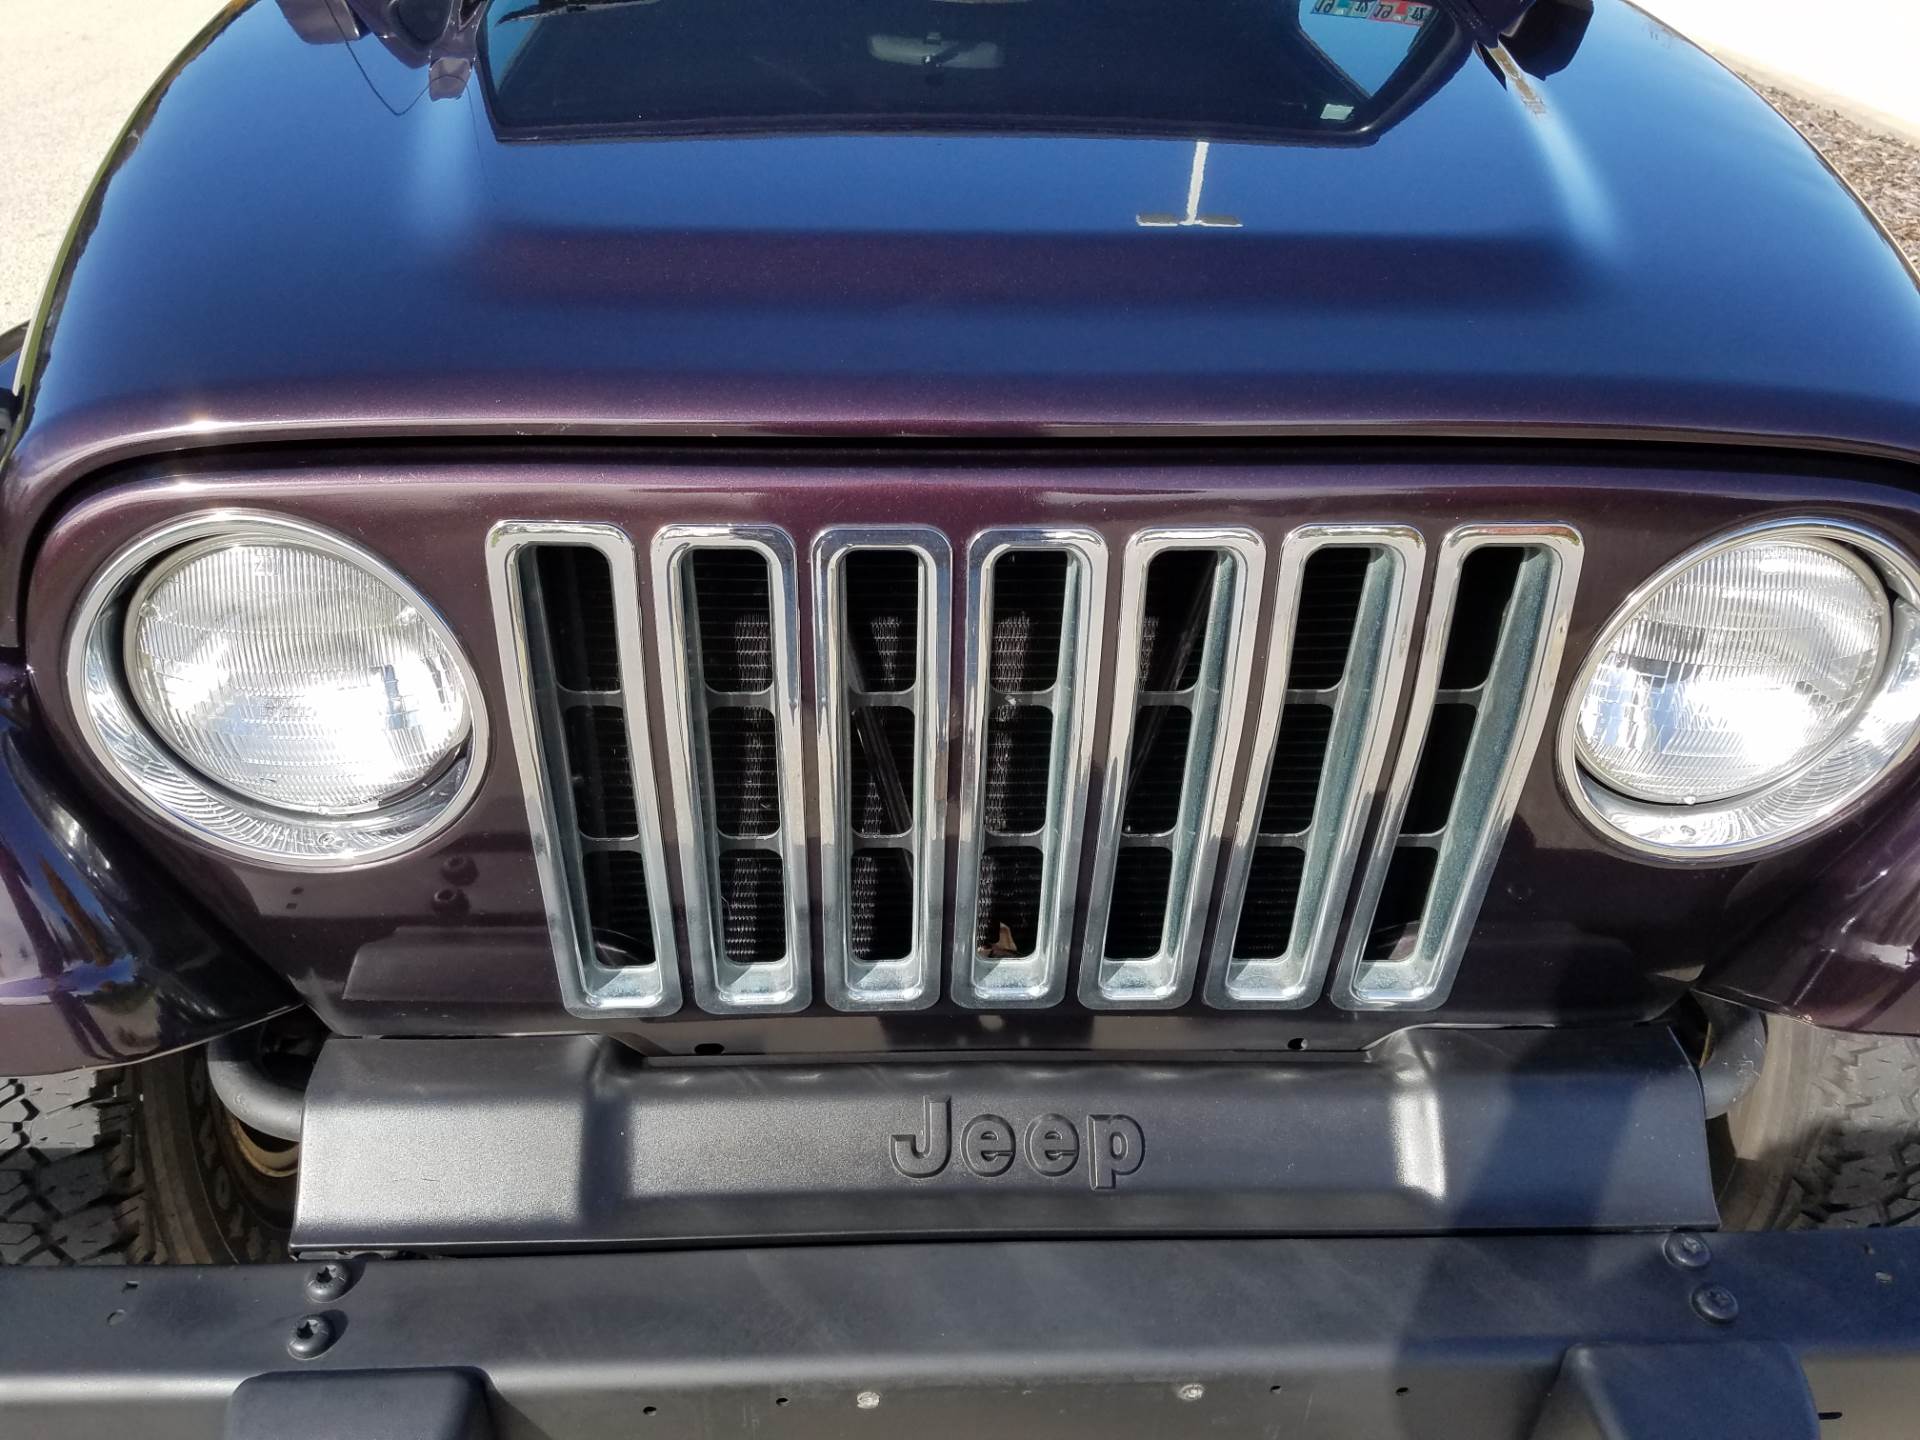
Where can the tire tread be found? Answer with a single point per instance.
(70, 1186)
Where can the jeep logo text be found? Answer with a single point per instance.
(1050, 1145)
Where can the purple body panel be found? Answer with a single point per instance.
(302, 253)
(1846, 952)
(451, 939)
(102, 961)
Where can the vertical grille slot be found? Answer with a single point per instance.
(1188, 600)
(1031, 674)
(882, 622)
(567, 610)
(726, 597)
(1497, 627)
(1343, 629)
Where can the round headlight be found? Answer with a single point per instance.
(293, 677)
(277, 691)
(1735, 671)
(1749, 693)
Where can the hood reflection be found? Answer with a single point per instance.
(1324, 72)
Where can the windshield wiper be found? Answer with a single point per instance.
(541, 9)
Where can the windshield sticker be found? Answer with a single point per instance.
(1399, 12)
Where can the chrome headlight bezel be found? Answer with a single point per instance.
(122, 740)
(1879, 735)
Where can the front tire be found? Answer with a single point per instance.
(216, 1192)
(1829, 1136)
(138, 1166)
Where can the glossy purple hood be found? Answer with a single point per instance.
(304, 240)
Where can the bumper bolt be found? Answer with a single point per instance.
(867, 1400)
(311, 1337)
(327, 1283)
(1716, 1303)
(1191, 1391)
(1687, 1251)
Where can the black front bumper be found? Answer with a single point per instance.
(1636, 1336)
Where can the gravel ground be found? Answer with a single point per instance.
(1885, 171)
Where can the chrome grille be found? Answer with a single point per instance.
(567, 600)
(727, 606)
(883, 607)
(1031, 673)
(1498, 622)
(1187, 598)
(1199, 772)
(1344, 621)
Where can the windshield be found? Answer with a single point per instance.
(1326, 70)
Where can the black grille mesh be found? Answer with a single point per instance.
(576, 591)
(733, 603)
(1029, 606)
(1009, 914)
(1487, 580)
(1293, 788)
(1030, 593)
(1330, 591)
(746, 772)
(882, 619)
(1273, 893)
(1019, 764)
(880, 905)
(616, 883)
(1137, 920)
(1403, 900)
(1157, 774)
(753, 919)
(601, 772)
(891, 727)
(1173, 618)
(576, 648)
(1437, 779)
(730, 594)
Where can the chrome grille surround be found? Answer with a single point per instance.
(1039, 978)
(912, 980)
(588, 985)
(721, 983)
(1096, 688)
(1510, 713)
(1364, 708)
(1217, 709)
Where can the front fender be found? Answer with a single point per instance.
(102, 962)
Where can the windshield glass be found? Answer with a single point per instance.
(1262, 69)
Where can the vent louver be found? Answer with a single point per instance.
(727, 607)
(568, 611)
(882, 621)
(1197, 776)
(1188, 607)
(1495, 631)
(1342, 629)
(1031, 674)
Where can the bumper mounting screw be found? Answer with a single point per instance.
(312, 1335)
(1716, 1303)
(1687, 1251)
(867, 1400)
(1191, 1391)
(327, 1283)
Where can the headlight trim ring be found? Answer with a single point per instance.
(1880, 736)
(121, 739)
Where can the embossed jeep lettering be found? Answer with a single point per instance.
(989, 1144)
